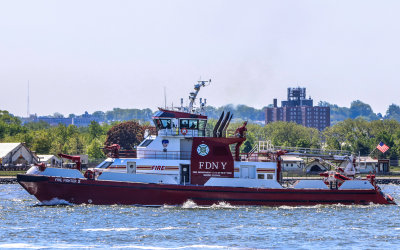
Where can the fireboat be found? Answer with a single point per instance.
(184, 161)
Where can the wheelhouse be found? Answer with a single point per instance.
(175, 123)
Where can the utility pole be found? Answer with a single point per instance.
(27, 112)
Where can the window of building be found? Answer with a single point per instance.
(260, 176)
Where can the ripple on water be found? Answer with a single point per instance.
(190, 226)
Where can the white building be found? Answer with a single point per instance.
(292, 163)
(50, 160)
(16, 154)
(367, 165)
(315, 165)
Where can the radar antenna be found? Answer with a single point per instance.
(193, 95)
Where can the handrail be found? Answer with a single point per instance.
(193, 132)
(257, 157)
(266, 146)
(166, 155)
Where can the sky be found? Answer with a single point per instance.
(98, 55)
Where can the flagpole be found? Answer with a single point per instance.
(372, 151)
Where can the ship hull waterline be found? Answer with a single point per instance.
(103, 192)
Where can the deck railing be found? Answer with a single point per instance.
(184, 155)
(194, 132)
(164, 155)
(267, 146)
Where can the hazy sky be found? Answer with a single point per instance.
(96, 55)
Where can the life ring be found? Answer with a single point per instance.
(184, 131)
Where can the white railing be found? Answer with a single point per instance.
(267, 146)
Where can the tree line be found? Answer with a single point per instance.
(356, 135)
(357, 109)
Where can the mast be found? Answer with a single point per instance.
(27, 110)
(193, 95)
(165, 97)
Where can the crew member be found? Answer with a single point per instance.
(241, 130)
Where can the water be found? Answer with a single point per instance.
(26, 224)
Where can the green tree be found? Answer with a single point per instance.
(41, 142)
(74, 146)
(393, 112)
(360, 109)
(289, 134)
(37, 125)
(95, 130)
(94, 150)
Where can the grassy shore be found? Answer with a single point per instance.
(11, 173)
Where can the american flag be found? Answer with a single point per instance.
(382, 147)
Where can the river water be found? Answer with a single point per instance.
(25, 223)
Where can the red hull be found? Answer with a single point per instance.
(79, 191)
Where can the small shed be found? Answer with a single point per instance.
(366, 164)
(383, 166)
(292, 163)
(50, 160)
(315, 166)
(16, 154)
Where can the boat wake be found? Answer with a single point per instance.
(55, 202)
(189, 204)
(334, 206)
(125, 229)
(173, 248)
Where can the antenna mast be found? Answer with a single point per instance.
(27, 112)
(165, 98)
(193, 95)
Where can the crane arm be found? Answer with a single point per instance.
(76, 159)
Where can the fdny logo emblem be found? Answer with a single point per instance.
(203, 149)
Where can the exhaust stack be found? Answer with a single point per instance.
(223, 124)
(217, 124)
(227, 125)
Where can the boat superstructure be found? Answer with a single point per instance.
(185, 159)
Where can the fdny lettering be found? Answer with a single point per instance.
(212, 165)
(158, 168)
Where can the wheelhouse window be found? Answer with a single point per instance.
(105, 164)
(193, 124)
(146, 143)
(189, 124)
(184, 123)
(163, 123)
(202, 127)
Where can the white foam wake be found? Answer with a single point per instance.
(55, 202)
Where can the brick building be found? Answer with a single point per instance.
(300, 110)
